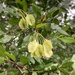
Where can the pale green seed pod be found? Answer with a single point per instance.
(47, 45)
(23, 24)
(32, 46)
(38, 52)
(30, 19)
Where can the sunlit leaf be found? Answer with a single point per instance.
(2, 51)
(3, 73)
(11, 56)
(41, 25)
(66, 27)
(73, 60)
(5, 39)
(1, 60)
(58, 29)
(34, 73)
(73, 72)
(67, 39)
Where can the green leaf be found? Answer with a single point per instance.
(39, 60)
(24, 60)
(51, 66)
(13, 21)
(61, 45)
(2, 51)
(17, 1)
(41, 25)
(34, 73)
(39, 67)
(11, 56)
(67, 64)
(20, 41)
(1, 32)
(55, 13)
(1, 8)
(65, 72)
(3, 73)
(73, 72)
(23, 3)
(11, 73)
(26, 39)
(32, 60)
(73, 60)
(58, 29)
(5, 39)
(56, 21)
(66, 27)
(1, 60)
(67, 39)
(73, 35)
(37, 10)
(2, 27)
(46, 73)
(9, 10)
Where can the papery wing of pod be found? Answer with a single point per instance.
(30, 19)
(32, 46)
(39, 51)
(47, 48)
(48, 43)
(23, 24)
(47, 53)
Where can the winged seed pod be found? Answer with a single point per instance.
(30, 19)
(23, 24)
(47, 48)
(40, 50)
(35, 49)
(33, 46)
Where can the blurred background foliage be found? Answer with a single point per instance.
(55, 20)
